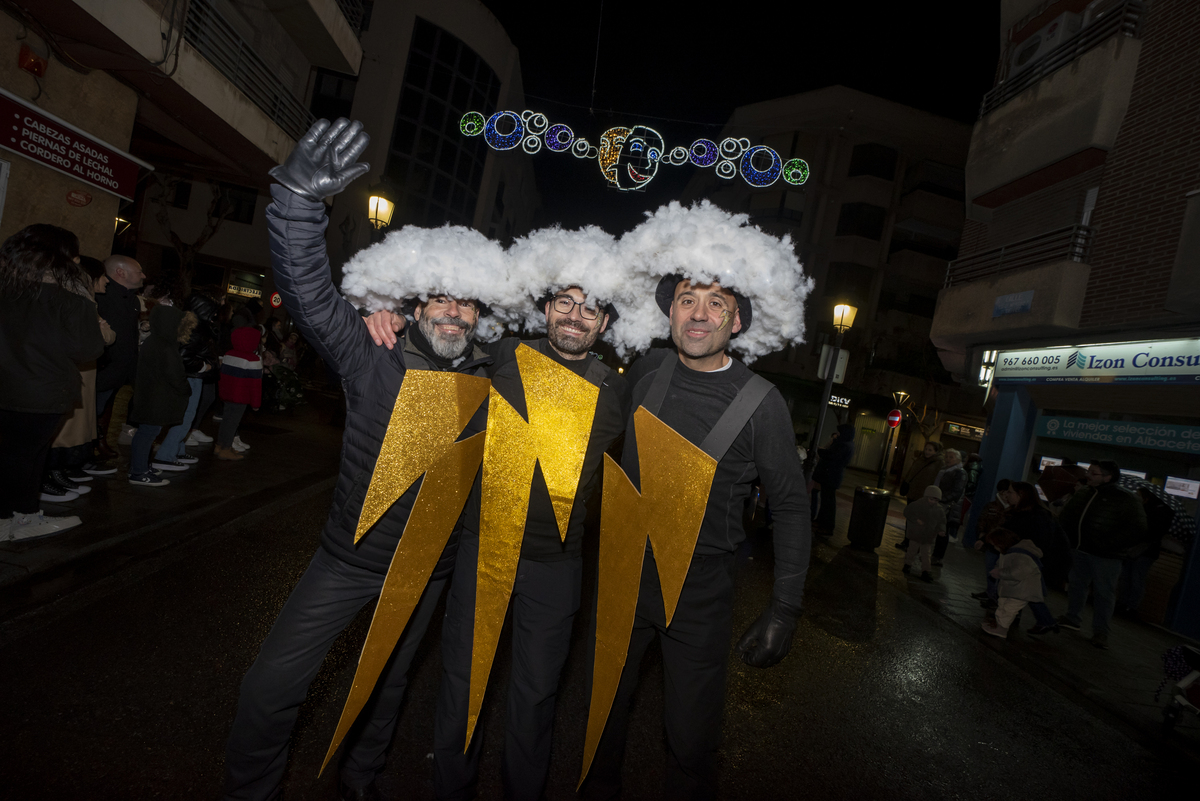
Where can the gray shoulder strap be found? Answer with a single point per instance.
(748, 399)
(658, 387)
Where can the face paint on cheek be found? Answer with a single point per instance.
(725, 318)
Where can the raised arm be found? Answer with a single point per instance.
(322, 164)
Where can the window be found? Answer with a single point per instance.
(873, 159)
(238, 202)
(181, 196)
(333, 94)
(861, 219)
(935, 178)
(438, 169)
(849, 281)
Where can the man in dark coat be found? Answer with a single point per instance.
(120, 307)
(1102, 522)
(831, 466)
(924, 470)
(344, 575)
(160, 398)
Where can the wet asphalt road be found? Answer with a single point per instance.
(127, 689)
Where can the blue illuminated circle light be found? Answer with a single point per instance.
(758, 165)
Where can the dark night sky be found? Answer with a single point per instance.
(683, 72)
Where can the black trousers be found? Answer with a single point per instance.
(695, 653)
(25, 439)
(544, 602)
(324, 601)
(824, 502)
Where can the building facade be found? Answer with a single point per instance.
(874, 225)
(1082, 241)
(206, 96)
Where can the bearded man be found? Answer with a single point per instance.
(344, 575)
(546, 592)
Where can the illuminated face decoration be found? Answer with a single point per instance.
(629, 157)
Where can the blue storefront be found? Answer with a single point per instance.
(1137, 403)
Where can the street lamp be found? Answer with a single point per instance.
(843, 318)
(380, 206)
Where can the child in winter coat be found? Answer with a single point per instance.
(925, 522)
(240, 386)
(1019, 572)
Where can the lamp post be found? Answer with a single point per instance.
(843, 318)
(380, 205)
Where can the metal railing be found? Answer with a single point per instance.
(352, 10)
(217, 40)
(1125, 21)
(1072, 243)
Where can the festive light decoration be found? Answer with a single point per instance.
(629, 157)
(497, 140)
(795, 171)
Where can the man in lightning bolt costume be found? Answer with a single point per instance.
(431, 392)
(703, 429)
(553, 412)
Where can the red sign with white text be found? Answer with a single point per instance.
(47, 140)
(276, 301)
(894, 418)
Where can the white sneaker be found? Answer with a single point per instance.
(56, 494)
(126, 436)
(25, 527)
(240, 446)
(198, 437)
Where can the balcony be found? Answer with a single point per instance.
(325, 30)
(219, 43)
(1125, 21)
(1065, 244)
(1059, 117)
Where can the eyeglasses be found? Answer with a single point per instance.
(565, 304)
(446, 300)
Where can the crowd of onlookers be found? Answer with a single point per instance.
(75, 330)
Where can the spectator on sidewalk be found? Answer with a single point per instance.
(1137, 560)
(952, 481)
(990, 519)
(199, 362)
(121, 308)
(831, 466)
(46, 328)
(1019, 573)
(1028, 516)
(974, 468)
(160, 398)
(925, 521)
(240, 386)
(924, 470)
(1102, 522)
(74, 444)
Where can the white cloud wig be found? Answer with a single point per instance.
(552, 259)
(452, 260)
(705, 243)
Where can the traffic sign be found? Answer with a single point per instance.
(276, 301)
(894, 417)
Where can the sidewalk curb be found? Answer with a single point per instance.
(101, 562)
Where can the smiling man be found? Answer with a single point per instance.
(741, 421)
(546, 591)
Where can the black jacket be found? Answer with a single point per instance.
(371, 377)
(1104, 521)
(121, 309)
(831, 466)
(42, 336)
(201, 346)
(160, 397)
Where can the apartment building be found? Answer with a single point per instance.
(874, 224)
(1075, 298)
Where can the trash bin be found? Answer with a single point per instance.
(868, 517)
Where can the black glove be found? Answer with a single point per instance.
(323, 162)
(769, 638)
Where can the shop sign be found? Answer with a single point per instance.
(77, 197)
(839, 401)
(1169, 361)
(1122, 433)
(1016, 303)
(244, 291)
(965, 431)
(44, 138)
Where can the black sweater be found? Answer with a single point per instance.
(542, 542)
(765, 448)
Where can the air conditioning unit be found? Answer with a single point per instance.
(1100, 9)
(1053, 34)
